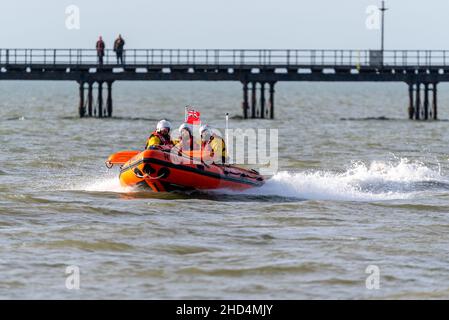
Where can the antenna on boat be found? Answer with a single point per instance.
(185, 113)
(227, 130)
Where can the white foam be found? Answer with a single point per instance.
(377, 181)
(105, 185)
(108, 182)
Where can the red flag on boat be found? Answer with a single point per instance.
(193, 117)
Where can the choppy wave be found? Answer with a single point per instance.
(89, 245)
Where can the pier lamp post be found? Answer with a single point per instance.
(382, 10)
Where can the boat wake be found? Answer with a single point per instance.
(375, 181)
(106, 185)
(109, 182)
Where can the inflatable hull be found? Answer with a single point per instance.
(163, 171)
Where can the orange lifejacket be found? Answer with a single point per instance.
(163, 140)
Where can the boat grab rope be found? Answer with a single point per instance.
(147, 176)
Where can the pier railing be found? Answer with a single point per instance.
(228, 57)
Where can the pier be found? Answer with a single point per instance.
(257, 70)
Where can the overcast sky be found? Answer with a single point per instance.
(327, 24)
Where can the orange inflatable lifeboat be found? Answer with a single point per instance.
(162, 170)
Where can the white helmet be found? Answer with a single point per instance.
(163, 124)
(205, 132)
(204, 127)
(186, 126)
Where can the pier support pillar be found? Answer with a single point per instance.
(89, 99)
(411, 108)
(426, 101)
(420, 107)
(245, 105)
(100, 99)
(434, 101)
(261, 106)
(418, 101)
(262, 100)
(109, 99)
(81, 108)
(253, 100)
(272, 100)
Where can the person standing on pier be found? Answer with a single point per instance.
(118, 48)
(100, 50)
